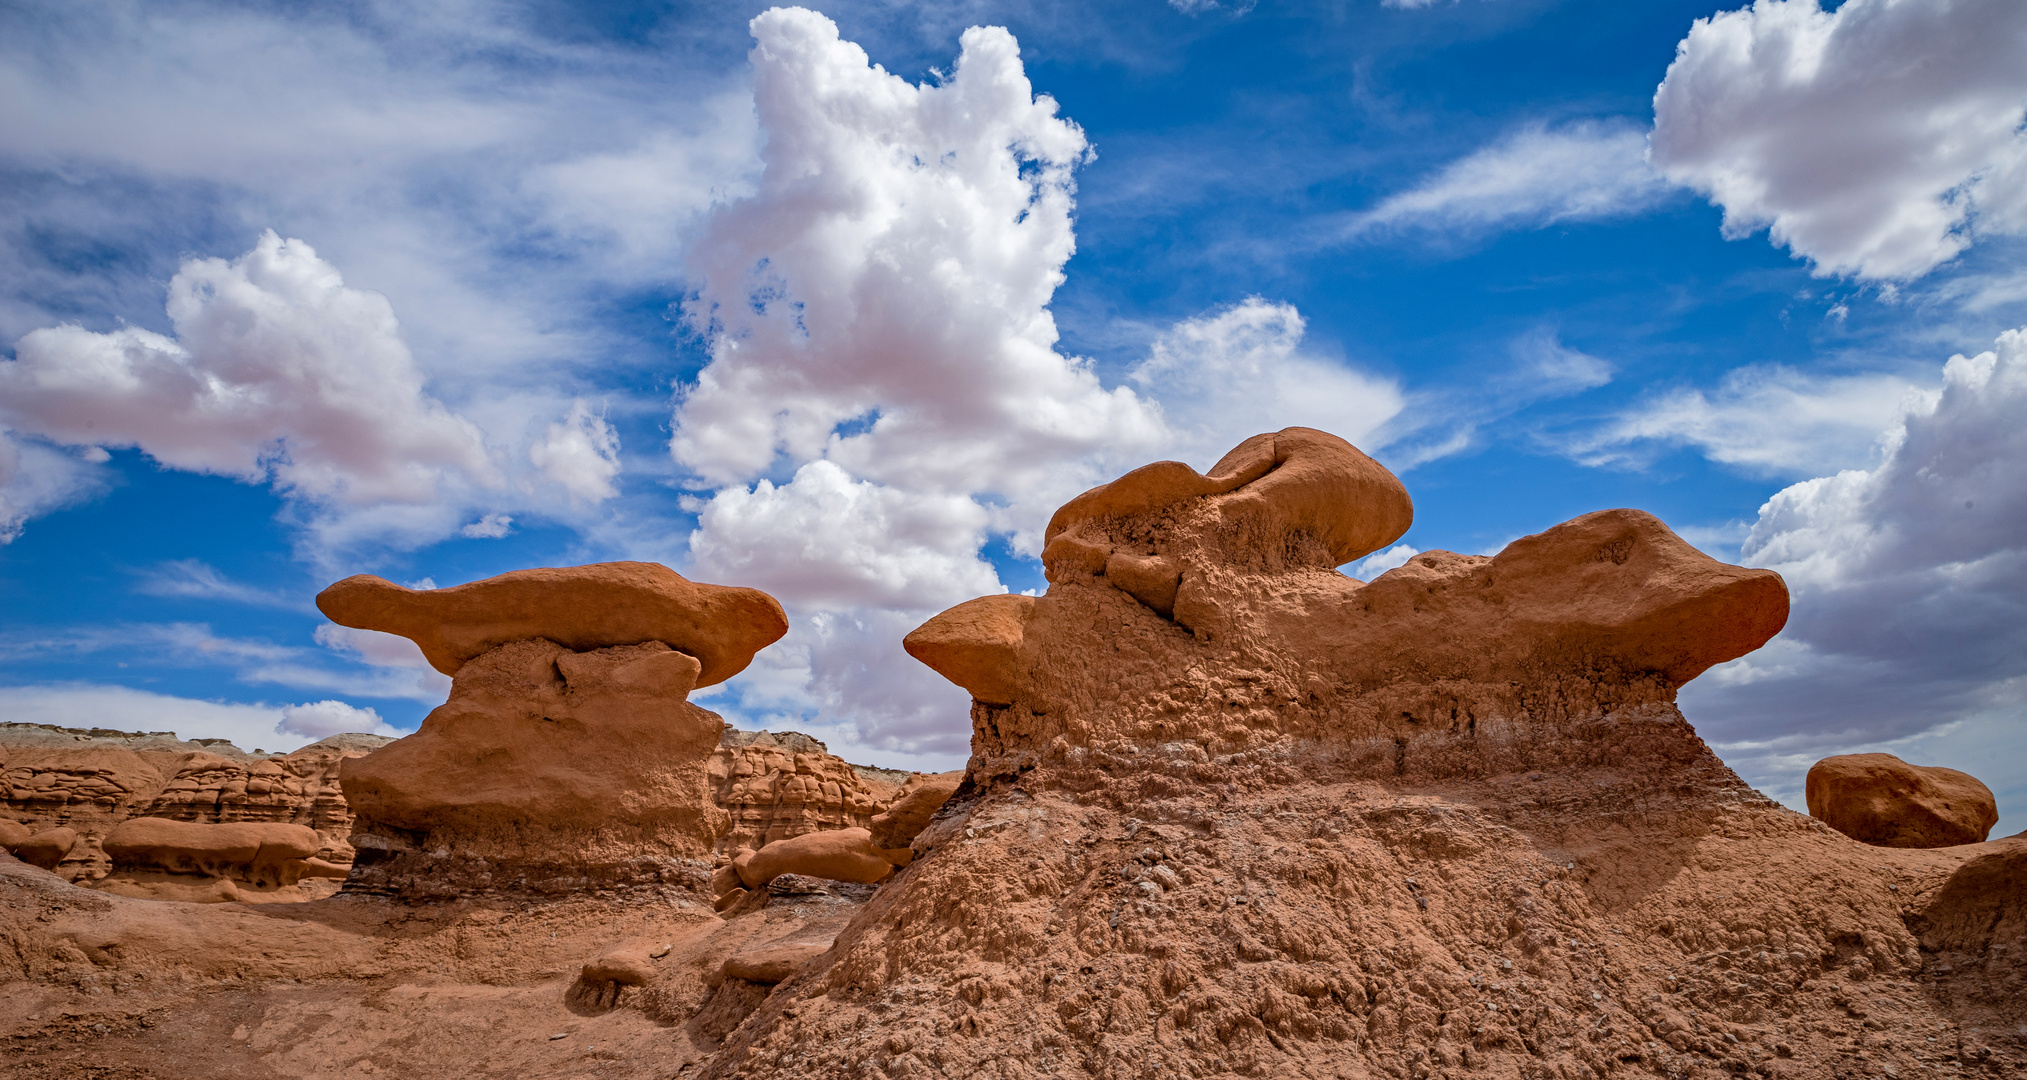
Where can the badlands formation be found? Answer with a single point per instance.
(1228, 813)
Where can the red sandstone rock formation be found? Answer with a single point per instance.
(581, 608)
(1230, 812)
(90, 780)
(1880, 799)
(777, 785)
(567, 757)
(161, 858)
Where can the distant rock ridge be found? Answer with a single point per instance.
(773, 785)
(89, 780)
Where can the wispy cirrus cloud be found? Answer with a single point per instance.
(1766, 420)
(369, 668)
(195, 579)
(1533, 176)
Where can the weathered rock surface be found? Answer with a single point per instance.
(777, 785)
(1880, 799)
(47, 848)
(560, 763)
(836, 854)
(166, 859)
(581, 608)
(1445, 823)
(909, 813)
(530, 781)
(90, 780)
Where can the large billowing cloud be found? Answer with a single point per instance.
(1909, 629)
(1877, 140)
(883, 299)
(280, 373)
(884, 393)
(277, 371)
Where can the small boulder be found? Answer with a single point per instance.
(923, 795)
(773, 962)
(12, 833)
(625, 966)
(266, 853)
(1881, 800)
(836, 854)
(46, 848)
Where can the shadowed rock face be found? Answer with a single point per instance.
(561, 763)
(1880, 799)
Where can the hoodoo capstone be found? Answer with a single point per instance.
(580, 608)
(1880, 799)
(567, 756)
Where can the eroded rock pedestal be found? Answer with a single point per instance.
(1230, 812)
(567, 758)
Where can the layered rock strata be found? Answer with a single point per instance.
(568, 757)
(1880, 799)
(91, 780)
(165, 859)
(778, 785)
(1231, 812)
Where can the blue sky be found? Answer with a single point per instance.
(437, 291)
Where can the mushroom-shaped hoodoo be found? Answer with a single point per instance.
(567, 756)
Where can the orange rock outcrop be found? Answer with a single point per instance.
(567, 757)
(91, 780)
(1880, 799)
(777, 785)
(166, 859)
(1231, 812)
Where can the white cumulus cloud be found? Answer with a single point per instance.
(1229, 374)
(1877, 140)
(830, 541)
(36, 479)
(581, 454)
(322, 719)
(882, 300)
(884, 396)
(277, 372)
(1909, 623)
